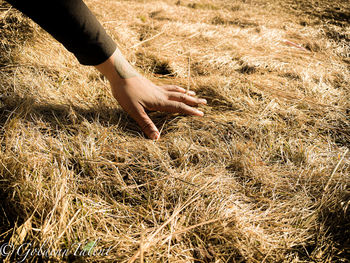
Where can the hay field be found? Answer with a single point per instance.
(262, 177)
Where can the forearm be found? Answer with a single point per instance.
(71, 23)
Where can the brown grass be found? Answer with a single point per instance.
(263, 177)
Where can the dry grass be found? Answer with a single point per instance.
(263, 177)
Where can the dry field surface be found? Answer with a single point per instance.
(262, 177)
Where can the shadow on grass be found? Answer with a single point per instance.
(57, 118)
(69, 117)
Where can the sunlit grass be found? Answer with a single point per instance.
(262, 177)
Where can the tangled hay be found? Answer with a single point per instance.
(262, 177)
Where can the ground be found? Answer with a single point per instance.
(262, 177)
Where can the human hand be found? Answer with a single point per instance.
(138, 94)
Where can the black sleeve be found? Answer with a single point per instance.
(71, 23)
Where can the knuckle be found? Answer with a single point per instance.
(146, 126)
(169, 96)
(178, 88)
(183, 97)
(176, 106)
(181, 107)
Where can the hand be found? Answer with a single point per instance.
(137, 94)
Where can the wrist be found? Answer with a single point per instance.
(117, 69)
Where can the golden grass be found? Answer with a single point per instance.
(263, 177)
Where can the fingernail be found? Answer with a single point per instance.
(200, 112)
(191, 92)
(154, 135)
(204, 101)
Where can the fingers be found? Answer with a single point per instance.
(145, 123)
(189, 100)
(179, 107)
(175, 88)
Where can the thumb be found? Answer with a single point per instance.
(145, 123)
